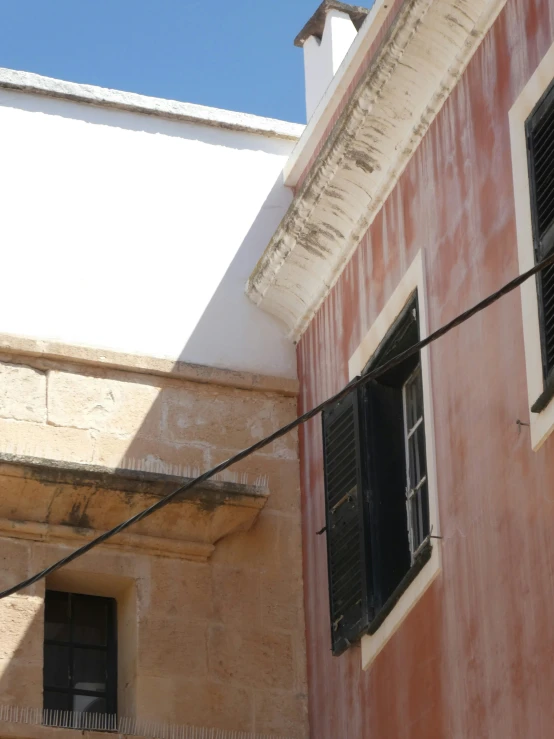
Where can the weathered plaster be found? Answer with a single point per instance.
(389, 113)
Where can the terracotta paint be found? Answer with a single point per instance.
(475, 657)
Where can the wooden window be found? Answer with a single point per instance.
(540, 147)
(80, 654)
(417, 498)
(376, 493)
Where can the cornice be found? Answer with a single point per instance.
(47, 354)
(52, 501)
(386, 118)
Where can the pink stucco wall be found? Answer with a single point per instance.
(475, 658)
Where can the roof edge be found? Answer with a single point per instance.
(35, 84)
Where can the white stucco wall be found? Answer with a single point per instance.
(137, 233)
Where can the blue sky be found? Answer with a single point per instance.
(234, 54)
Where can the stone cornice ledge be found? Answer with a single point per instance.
(36, 84)
(47, 354)
(414, 71)
(52, 501)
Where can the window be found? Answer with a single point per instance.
(531, 138)
(540, 146)
(80, 663)
(377, 501)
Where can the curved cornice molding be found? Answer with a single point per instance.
(388, 114)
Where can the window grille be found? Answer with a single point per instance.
(80, 662)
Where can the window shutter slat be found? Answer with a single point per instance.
(346, 519)
(540, 141)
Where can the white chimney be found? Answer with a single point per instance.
(326, 38)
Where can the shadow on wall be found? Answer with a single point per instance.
(188, 427)
(231, 320)
(22, 632)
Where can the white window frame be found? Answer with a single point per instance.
(413, 279)
(412, 492)
(541, 424)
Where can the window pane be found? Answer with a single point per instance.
(56, 616)
(425, 511)
(56, 666)
(416, 447)
(89, 669)
(56, 702)
(419, 516)
(414, 399)
(411, 408)
(89, 704)
(90, 620)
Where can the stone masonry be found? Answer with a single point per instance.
(217, 643)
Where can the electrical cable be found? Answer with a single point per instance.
(356, 382)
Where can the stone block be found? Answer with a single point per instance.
(251, 657)
(22, 393)
(281, 713)
(21, 635)
(283, 476)
(14, 561)
(236, 596)
(93, 566)
(291, 546)
(218, 417)
(281, 600)
(171, 646)
(257, 548)
(184, 588)
(50, 442)
(201, 703)
(114, 451)
(154, 698)
(103, 404)
(20, 684)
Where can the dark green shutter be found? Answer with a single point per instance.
(540, 142)
(348, 556)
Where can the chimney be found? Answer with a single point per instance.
(326, 38)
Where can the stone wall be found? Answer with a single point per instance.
(217, 643)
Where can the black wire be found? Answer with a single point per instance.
(356, 382)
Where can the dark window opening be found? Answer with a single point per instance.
(540, 146)
(80, 656)
(377, 503)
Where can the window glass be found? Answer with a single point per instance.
(89, 669)
(90, 620)
(56, 616)
(79, 654)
